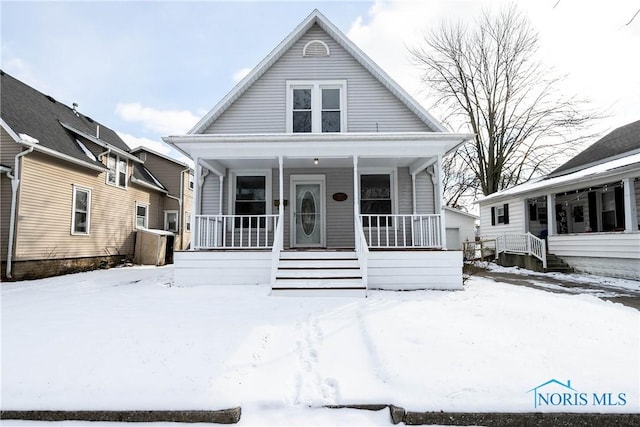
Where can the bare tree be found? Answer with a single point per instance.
(486, 78)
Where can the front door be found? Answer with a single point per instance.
(307, 212)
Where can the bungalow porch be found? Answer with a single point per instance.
(319, 214)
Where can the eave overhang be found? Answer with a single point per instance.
(102, 143)
(251, 146)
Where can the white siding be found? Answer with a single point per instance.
(516, 219)
(465, 225)
(408, 270)
(371, 107)
(596, 245)
(222, 268)
(424, 194)
(637, 192)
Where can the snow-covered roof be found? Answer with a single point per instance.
(628, 162)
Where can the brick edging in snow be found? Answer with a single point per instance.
(224, 416)
(500, 419)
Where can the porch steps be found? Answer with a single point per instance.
(318, 273)
(555, 264)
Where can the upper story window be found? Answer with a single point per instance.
(500, 214)
(316, 106)
(117, 173)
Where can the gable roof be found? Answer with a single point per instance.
(140, 148)
(40, 119)
(317, 18)
(620, 142)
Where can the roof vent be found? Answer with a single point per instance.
(315, 48)
(75, 109)
(50, 98)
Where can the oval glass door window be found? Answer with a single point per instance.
(308, 211)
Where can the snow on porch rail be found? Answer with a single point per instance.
(235, 231)
(402, 231)
(527, 244)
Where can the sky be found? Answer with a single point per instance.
(149, 69)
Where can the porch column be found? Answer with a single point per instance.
(195, 232)
(221, 191)
(440, 203)
(630, 211)
(413, 190)
(281, 189)
(356, 197)
(551, 216)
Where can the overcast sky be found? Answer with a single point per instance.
(153, 68)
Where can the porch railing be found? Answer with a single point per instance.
(402, 231)
(235, 231)
(362, 250)
(527, 244)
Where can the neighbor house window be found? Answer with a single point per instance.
(316, 106)
(500, 214)
(171, 221)
(81, 215)
(376, 198)
(142, 215)
(187, 226)
(117, 173)
(190, 180)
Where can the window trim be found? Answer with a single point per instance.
(316, 87)
(393, 177)
(187, 222)
(77, 188)
(117, 171)
(146, 217)
(177, 213)
(234, 173)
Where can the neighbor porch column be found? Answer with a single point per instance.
(440, 203)
(551, 216)
(630, 212)
(195, 232)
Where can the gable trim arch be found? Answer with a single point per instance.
(316, 48)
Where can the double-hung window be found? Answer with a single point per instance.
(251, 192)
(376, 199)
(81, 215)
(316, 106)
(142, 215)
(117, 173)
(171, 221)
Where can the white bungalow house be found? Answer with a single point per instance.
(318, 174)
(586, 210)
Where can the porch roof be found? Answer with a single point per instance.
(413, 149)
(626, 167)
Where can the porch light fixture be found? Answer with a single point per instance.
(315, 161)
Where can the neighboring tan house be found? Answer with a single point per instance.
(320, 175)
(587, 210)
(177, 178)
(72, 194)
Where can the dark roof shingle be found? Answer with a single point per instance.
(616, 143)
(28, 111)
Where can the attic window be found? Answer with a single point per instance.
(315, 48)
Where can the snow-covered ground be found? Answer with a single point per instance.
(127, 339)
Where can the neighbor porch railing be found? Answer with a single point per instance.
(235, 231)
(402, 231)
(526, 244)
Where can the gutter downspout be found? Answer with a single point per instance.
(15, 185)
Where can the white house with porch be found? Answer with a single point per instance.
(319, 174)
(586, 212)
